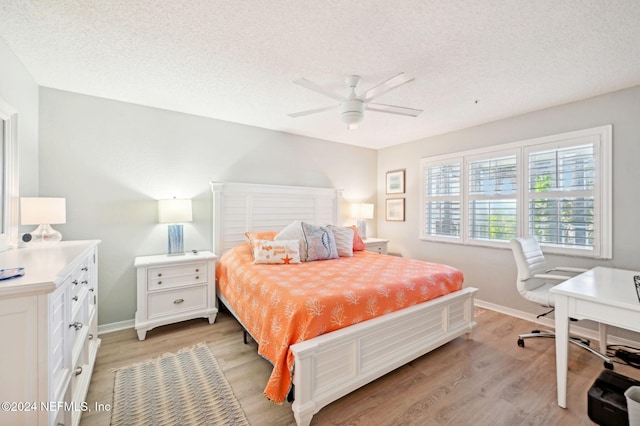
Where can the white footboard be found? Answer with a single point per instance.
(330, 366)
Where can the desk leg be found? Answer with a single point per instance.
(602, 328)
(562, 346)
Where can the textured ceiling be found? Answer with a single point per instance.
(474, 61)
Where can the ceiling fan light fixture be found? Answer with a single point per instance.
(351, 111)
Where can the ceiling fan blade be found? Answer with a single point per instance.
(317, 88)
(385, 86)
(392, 109)
(312, 111)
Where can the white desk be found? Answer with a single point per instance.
(605, 295)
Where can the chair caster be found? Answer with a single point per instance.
(521, 343)
(608, 365)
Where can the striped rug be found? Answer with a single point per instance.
(186, 388)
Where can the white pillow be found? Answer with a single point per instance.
(293, 231)
(280, 252)
(344, 239)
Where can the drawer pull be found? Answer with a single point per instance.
(91, 289)
(159, 282)
(197, 270)
(159, 274)
(197, 277)
(77, 325)
(75, 282)
(178, 301)
(75, 298)
(78, 371)
(90, 336)
(85, 268)
(85, 282)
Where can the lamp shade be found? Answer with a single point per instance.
(174, 211)
(43, 210)
(362, 211)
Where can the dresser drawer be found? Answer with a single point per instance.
(79, 278)
(176, 276)
(79, 324)
(177, 301)
(58, 332)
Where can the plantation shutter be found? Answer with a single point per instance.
(561, 196)
(493, 184)
(443, 194)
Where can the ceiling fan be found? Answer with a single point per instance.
(352, 108)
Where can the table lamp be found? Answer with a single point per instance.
(175, 212)
(43, 211)
(361, 212)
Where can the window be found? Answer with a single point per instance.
(560, 198)
(492, 198)
(444, 198)
(557, 188)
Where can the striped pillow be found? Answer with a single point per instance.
(344, 240)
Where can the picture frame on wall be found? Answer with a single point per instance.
(395, 209)
(395, 182)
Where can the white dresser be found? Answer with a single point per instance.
(175, 288)
(49, 326)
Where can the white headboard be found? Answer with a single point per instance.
(242, 207)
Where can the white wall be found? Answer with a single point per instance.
(112, 160)
(20, 91)
(493, 270)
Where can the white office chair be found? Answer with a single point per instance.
(534, 281)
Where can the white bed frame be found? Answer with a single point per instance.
(334, 364)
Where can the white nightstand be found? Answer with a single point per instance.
(377, 245)
(175, 288)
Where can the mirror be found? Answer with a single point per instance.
(8, 175)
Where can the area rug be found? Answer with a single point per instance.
(185, 388)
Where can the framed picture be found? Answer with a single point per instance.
(395, 209)
(395, 182)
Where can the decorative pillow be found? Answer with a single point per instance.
(293, 231)
(321, 243)
(358, 244)
(280, 252)
(344, 239)
(265, 235)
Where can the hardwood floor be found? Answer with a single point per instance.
(485, 381)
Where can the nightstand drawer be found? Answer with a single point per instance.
(376, 245)
(176, 276)
(176, 301)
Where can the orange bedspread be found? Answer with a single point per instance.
(284, 304)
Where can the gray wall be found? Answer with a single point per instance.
(112, 160)
(20, 91)
(493, 270)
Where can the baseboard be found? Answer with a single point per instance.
(115, 326)
(549, 324)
